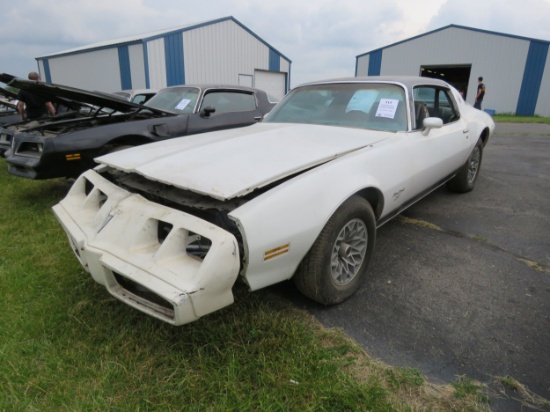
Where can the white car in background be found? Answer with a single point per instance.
(169, 227)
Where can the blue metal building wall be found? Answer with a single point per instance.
(175, 67)
(532, 78)
(124, 67)
(274, 61)
(375, 63)
(47, 73)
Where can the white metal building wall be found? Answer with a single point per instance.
(221, 51)
(500, 58)
(483, 51)
(157, 64)
(362, 65)
(275, 83)
(497, 58)
(271, 82)
(81, 70)
(543, 102)
(206, 46)
(285, 65)
(137, 66)
(285, 68)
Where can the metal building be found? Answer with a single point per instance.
(219, 51)
(516, 70)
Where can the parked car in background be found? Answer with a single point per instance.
(67, 148)
(168, 228)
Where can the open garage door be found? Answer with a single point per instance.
(274, 83)
(456, 75)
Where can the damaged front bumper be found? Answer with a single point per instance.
(145, 253)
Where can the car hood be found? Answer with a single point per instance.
(8, 105)
(232, 163)
(8, 93)
(55, 92)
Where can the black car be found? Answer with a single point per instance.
(66, 148)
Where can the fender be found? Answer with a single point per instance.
(295, 212)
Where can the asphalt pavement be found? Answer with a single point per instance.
(459, 284)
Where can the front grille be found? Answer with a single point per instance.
(141, 292)
(29, 149)
(200, 206)
(195, 244)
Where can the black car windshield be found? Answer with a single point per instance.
(377, 106)
(175, 100)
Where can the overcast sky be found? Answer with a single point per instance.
(320, 37)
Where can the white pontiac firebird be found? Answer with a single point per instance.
(169, 227)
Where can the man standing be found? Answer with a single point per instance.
(480, 93)
(31, 106)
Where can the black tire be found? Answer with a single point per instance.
(333, 268)
(466, 178)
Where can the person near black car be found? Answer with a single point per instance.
(480, 93)
(32, 107)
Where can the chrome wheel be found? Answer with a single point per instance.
(473, 164)
(466, 177)
(348, 251)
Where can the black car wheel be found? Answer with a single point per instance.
(465, 180)
(333, 268)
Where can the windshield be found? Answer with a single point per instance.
(376, 106)
(175, 100)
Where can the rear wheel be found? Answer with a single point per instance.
(465, 180)
(332, 270)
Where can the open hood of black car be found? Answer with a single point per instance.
(8, 93)
(7, 78)
(7, 105)
(53, 91)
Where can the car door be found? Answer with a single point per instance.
(440, 152)
(233, 108)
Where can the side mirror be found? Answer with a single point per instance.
(207, 111)
(431, 123)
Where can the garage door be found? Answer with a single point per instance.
(273, 83)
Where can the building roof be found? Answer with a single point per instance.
(456, 26)
(144, 37)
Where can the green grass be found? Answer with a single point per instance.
(67, 345)
(510, 118)
(465, 387)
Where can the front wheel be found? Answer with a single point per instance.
(333, 268)
(465, 180)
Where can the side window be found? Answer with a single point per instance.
(433, 102)
(424, 104)
(446, 110)
(139, 99)
(226, 102)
